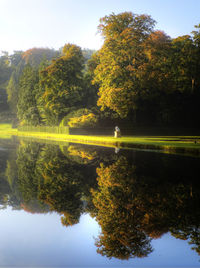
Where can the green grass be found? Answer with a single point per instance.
(168, 144)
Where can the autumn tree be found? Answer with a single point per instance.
(136, 203)
(120, 57)
(155, 79)
(154, 72)
(116, 212)
(34, 56)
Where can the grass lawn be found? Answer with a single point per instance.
(171, 144)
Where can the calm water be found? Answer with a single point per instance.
(87, 206)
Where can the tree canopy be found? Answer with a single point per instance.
(139, 77)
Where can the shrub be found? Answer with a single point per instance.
(80, 118)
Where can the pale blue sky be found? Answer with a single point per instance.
(52, 23)
(40, 240)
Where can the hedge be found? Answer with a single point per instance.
(48, 129)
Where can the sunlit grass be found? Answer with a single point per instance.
(6, 131)
(164, 143)
(5, 127)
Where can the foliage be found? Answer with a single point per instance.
(27, 110)
(28, 181)
(142, 202)
(60, 85)
(139, 77)
(122, 236)
(34, 56)
(81, 155)
(62, 184)
(83, 121)
(79, 118)
(13, 87)
(139, 196)
(120, 57)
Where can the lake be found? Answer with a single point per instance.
(74, 205)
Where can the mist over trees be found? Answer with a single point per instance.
(139, 77)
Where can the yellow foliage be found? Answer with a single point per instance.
(74, 151)
(84, 120)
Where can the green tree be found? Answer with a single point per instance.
(13, 87)
(61, 85)
(184, 63)
(28, 181)
(60, 185)
(27, 110)
(5, 73)
(16, 58)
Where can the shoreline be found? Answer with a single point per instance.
(189, 145)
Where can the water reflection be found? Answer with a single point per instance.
(134, 197)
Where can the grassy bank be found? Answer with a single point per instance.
(169, 144)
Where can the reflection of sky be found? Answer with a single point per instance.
(40, 240)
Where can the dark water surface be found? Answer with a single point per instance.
(87, 206)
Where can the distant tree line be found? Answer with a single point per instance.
(139, 77)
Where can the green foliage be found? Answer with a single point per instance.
(184, 63)
(13, 87)
(87, 54)
(196, 36)
(5, 69)
(61, 85)
(27, 110)
(15, 59)
(5, 72)
(60, 185)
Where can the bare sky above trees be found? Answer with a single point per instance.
(52, 23)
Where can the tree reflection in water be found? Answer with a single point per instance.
(134, 197)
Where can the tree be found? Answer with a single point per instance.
(34, 56)
(13, 87)
(116, 211)
(60, 185)
(196, 35)
(5, 73)
(120, 57)
(27, 110)
(61, 85)
(184, 63)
